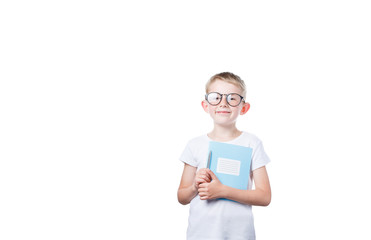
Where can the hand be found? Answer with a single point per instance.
(211, 190)
(202, 176)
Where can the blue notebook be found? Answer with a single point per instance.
(230, 163)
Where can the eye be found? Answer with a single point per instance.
(231, 97)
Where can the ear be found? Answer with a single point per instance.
(205, 106)
(245, 108)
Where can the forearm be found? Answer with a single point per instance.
(186, 194)
(257, 197)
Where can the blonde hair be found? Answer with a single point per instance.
(229, 78)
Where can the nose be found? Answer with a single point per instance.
(224, 101)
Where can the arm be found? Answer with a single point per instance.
(260, 196)
(187, 189)
(191, 179)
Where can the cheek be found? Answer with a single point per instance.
(236, 113)
(211, 109)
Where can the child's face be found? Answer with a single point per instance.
(223, 113)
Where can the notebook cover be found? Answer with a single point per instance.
(231, 164)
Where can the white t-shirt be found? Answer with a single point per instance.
(221, 219)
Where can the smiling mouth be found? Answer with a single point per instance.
(222, 112)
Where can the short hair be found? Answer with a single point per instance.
(229, 78)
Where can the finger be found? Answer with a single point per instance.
(199, 180)
(206, 178)
(202, 171)
(203, 185)
(202, 194)
(212, 175)
(201, 177)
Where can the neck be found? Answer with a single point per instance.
(223, 134)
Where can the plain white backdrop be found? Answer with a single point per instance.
(99, 98)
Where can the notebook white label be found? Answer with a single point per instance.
(228, 166)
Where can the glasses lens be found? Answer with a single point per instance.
(234, 99)
(214, 98)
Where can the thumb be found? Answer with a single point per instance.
(212, 175)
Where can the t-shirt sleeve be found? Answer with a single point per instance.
(259, 157)
(188, 157)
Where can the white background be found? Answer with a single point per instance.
(99, 98)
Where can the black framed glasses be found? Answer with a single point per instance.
(233, 99)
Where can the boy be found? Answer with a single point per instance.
(210, 217)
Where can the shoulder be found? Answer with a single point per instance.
(249, 139)
(259, 157)
(197, 141)
(196, 151)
